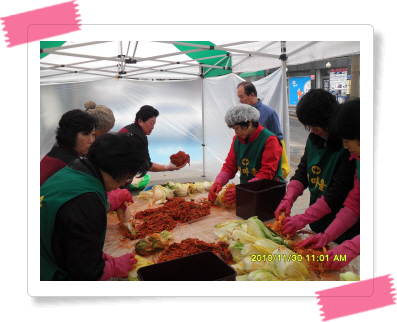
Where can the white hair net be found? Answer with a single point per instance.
(241, 113)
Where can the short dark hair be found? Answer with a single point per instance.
(248, 88)
(317, 108)
(347, 121)
(121, 155)
(245, 125)
(146, 112)
(72, 123)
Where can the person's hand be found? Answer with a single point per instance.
(216, 187)
(117, 266)
(284, 206)
(123, 264)
(317, 241)
(230, 195)
(294, 190)
(315, 212)
(106, 256)
(221, 179)
(348, 248)
(293, 224)
(170, 167)
(118, 197)
(181, 166)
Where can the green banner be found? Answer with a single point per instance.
(258, 73)
(208, 53)
(49, 44)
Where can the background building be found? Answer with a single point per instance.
(340, 76)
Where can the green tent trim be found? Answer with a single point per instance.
(49, 44)
(258, 73)
(208, 53)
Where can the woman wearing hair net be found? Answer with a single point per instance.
(255, 152)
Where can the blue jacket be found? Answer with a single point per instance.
(269, 119)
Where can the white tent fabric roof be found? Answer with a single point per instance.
(162, 60)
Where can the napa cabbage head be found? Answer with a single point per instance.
(242, 236)
(257, 228)
(349, 276)
(261, 275)
(287, 269)
(239, 268)
(142, 261)
(224, 229)
(250, 265)
(235, 248)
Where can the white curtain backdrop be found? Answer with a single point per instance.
(180, 123)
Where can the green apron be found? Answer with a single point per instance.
(249, 157)
(63, 186)
(358, 169)
(321, 166)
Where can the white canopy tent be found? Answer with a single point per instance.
(190, 103)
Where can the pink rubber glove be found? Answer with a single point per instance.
(221, 179)
(230, 195)
(253, 179)
(316, 211)
(118, 266)
(294, 190)
(350, 248)
(317, 241)
(344, 220)
(118, 197)
(106, 256)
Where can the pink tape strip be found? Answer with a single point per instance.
(352, 301)
(41, 23)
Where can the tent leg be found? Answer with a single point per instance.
(283, 58)
(202, 111)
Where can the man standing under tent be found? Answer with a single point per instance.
(145, 119)
(247, 94)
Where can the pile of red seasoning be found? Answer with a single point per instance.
(190, 246)
(180, 158)
(176, 210)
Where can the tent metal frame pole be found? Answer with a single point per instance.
(206, 47)
(216, 65)
(173, 54)
(228, 61)
(59, 67)
(80, 72)
(64, 73)
(85, 70)
(133, 54)
(71, 65)
(203, 122)
(165, 70)
(286, 133)
(83, 56)
(51, 50)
